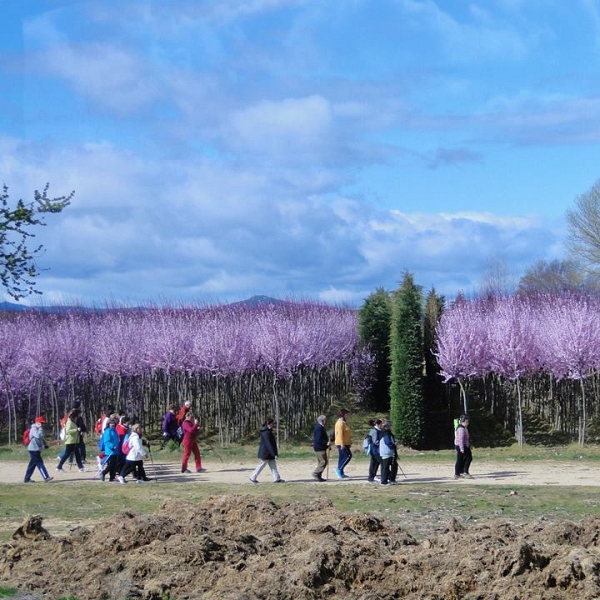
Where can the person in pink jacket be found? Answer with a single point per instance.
(191, 429)
(463, 449)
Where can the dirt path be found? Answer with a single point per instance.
(293, 471)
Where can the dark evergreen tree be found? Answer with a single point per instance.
(374, 320)
(407, 408)
(436, 409)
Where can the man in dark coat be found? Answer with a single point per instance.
(267, 452)
(321, 445)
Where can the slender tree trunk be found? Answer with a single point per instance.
(519, 427)
(583, 416)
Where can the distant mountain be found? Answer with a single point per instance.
(258, 301)
(12, 307)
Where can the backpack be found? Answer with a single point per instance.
(367, 444)
(26, 438)
(98, 425)
(125, 445)
(64, 420)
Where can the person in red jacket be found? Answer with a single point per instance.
(187, 405)
(191, 429)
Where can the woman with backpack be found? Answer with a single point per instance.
(72, 433)
(35, 446)
(135, 456)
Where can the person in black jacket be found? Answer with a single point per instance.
(321, 445)
(267, 452)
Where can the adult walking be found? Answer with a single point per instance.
(343, 441)
(72, 433)
(112, 450)
(191, 429)
(375, 434)
(267, 452)
(35, 447)
(462, 444)
(169, 427)
(389, 452)
(134, 461)
(321, 445)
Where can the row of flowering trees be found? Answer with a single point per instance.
(237, 363)
(520, 338)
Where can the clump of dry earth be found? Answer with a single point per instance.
(247, 547)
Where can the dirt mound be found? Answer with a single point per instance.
(246, 548)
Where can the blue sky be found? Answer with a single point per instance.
(296, 148)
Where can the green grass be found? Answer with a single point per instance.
(420, 508)
(7, 592)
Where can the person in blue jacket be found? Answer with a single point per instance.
(110, 444)
(388, 452)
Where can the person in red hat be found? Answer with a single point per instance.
(35, 447)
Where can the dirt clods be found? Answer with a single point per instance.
(247, 548)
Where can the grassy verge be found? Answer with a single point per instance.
(420, 509)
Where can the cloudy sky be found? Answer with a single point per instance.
(220, 149)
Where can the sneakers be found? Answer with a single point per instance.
(59, 470)
(457, 477)
(318, 478)
(200, 470)
(467, 476)
(384, 483)
(121, 479)
(185, 471)
(377, 478)
(339, 474)
(48, 479)
(28, 481)
(344, 476)
(253, 480)
(279, 481)
(82, 470)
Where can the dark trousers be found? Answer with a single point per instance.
(345, 456)
(374, 465)
(70, 450)
(136, 467)
(463, 461)
(111, 466)
(36, 460)
(389, 469)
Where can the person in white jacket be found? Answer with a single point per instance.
(134, 461)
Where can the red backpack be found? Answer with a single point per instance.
(26, 438)
(98, 425)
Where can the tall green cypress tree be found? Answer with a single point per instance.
(374, 319)
(407, 408)
(436, 409)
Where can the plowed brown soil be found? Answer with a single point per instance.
(243, 547)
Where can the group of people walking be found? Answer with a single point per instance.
(380, 445)
(122, 449)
